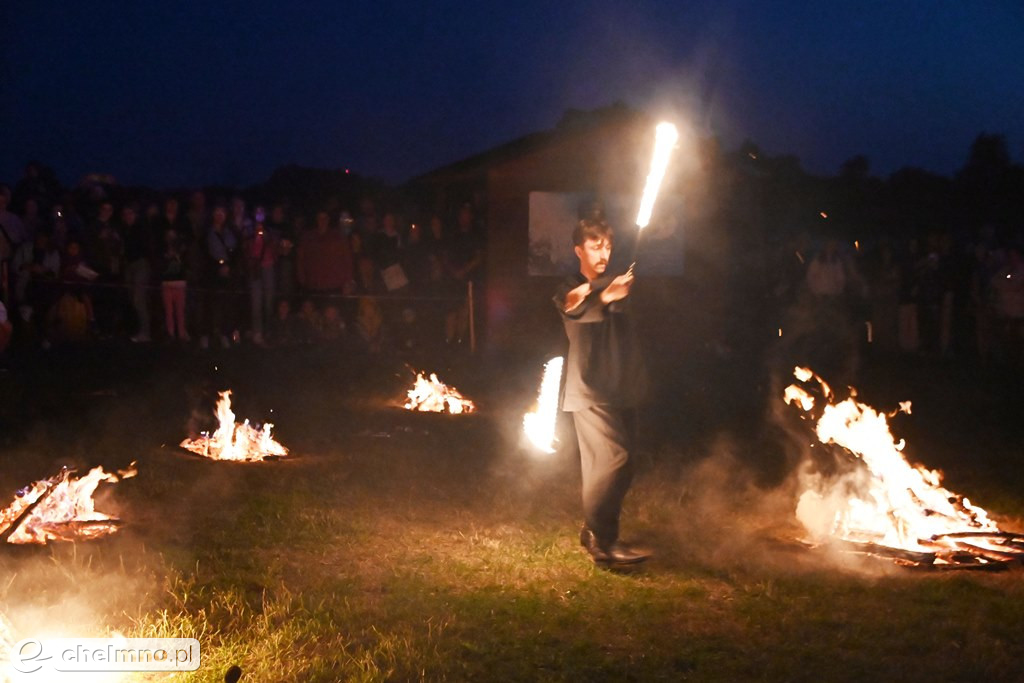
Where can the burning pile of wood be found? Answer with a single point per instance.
(59, 508)
(235, 441)
(434, 396)
(867, 498)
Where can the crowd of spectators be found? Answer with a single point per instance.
(929, 296)
(191, 269)
(210, 271)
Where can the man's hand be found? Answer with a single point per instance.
(575, 296)
(618, 288)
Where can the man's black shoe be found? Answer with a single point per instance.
(613, 553)
(620, 553)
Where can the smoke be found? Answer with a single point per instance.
(722, 518)
(766, 500)
(82, 590)
(822, 498)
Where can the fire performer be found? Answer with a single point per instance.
(604, 382)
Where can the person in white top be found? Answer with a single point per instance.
(826, 273)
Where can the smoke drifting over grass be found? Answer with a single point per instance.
(716, 514)
(76, 590)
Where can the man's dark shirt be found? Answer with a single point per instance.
(463, 248)
(605, 364)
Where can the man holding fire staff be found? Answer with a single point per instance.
(604, 382)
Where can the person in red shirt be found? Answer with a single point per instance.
(324, 259)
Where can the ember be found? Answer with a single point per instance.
(231, 441)
(881, 504)
(60, 508)
(539, 424)
(434, 396)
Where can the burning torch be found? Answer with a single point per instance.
(665, 138)
(539, 424)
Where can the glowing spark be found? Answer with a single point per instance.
(823, 214)
(539, 425)
(665, 137)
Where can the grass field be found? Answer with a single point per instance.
(394, 546)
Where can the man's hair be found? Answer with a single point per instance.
(591, 229)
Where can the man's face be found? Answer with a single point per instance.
(593, 255)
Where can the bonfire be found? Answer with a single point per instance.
(235, 441)
(874, 501)
(434, 396)
(60, 508)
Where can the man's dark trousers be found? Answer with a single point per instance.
(606, 435)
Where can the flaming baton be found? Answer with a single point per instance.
(539, 425)
(665, 138)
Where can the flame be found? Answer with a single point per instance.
(882, 499)
(665, 137)
(539, 424)
(62, 508)
(233, 441)
(434, 396)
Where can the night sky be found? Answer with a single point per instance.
(185, 94)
